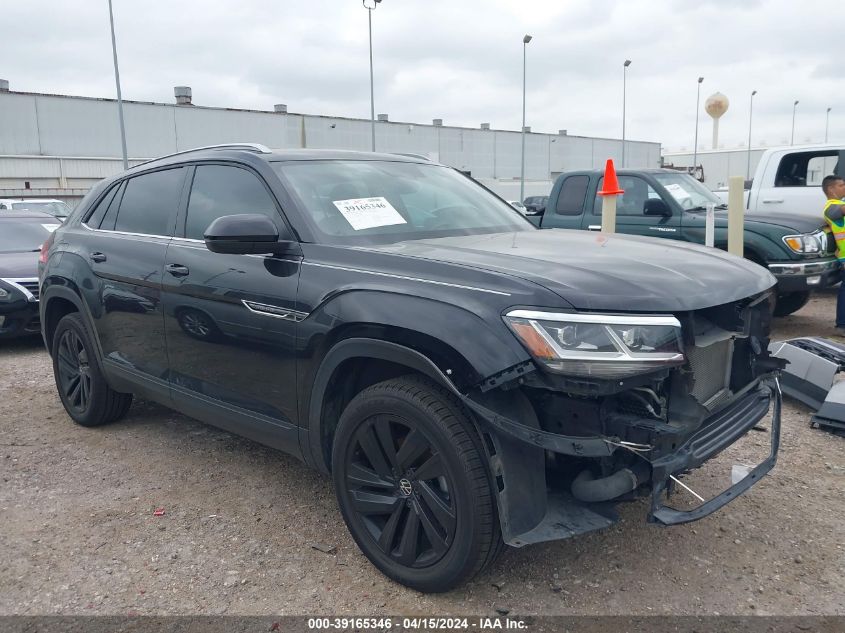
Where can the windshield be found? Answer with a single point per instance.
(376, 202)
(687, 191)
(53, 207)
(18, 237)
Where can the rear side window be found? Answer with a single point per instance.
(573, 192)
(96, 217)
(111, 212)
(149, 203)
(220, 190)
(806, 169)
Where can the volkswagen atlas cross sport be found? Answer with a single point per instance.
(468, 380)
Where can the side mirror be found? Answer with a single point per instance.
(245, 234)
(656, 206)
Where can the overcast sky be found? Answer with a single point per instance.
(456, 60)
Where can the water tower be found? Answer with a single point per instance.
(716, 105)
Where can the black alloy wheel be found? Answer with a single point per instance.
(74, 371)
(412, 484)
(400, 488)
(83, 389)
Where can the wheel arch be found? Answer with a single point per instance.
(369, 361)
(60, 301)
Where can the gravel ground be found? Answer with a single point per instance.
(248, 530)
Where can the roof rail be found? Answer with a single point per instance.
(255, 147)
(410, 155)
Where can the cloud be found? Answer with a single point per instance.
(458, 61)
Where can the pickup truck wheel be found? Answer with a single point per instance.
(79, 378)
(412, 486)
(790, 302)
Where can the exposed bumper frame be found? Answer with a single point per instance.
(718, 435)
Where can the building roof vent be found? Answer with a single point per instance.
(437, 122)
(485, 126)
(382, 117)
(183, 95)
(4, 85)
(281, 108)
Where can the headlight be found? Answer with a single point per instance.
(601, 346)
(804, 243)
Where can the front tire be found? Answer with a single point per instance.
(790, 302)
(83, 390)
(412, 485)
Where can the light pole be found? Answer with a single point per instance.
(792, 137)
(525, 41)
(750, 111)
(119, 97)
(695, 146)
(370, 6)
(826, 122)
(624, 77)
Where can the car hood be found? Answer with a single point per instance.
(791, 221)
(598, 271)
(19, 265)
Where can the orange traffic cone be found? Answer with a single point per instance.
(610, 185)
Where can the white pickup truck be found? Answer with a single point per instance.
(788, 179)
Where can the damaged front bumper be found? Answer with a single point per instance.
(721, 431)
(529, 515)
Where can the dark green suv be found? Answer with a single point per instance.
(666, 203)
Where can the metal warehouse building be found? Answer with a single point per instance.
(58, 146)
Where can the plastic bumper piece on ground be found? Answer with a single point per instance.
(720, 433)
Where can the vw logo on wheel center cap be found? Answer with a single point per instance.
(405, 487)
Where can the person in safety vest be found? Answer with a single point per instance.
(834, 214)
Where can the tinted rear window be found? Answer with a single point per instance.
(572, 195)
(149, 203)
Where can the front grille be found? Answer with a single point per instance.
(711, 370)
(31, 286)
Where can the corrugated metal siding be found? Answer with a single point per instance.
(73, 127)
(718, 166)
(18, 125)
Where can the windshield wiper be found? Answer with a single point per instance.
(721, 206)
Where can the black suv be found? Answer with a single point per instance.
(468, 380)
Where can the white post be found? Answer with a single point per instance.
(710, 225)
(372, 98)
(736, 211)
(608, 214)
(119, 96)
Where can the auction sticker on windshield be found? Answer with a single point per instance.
(678, 192)
(368, 213)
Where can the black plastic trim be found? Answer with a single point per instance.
(728, 427)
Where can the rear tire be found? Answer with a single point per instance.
(790, 302)
(412, 485)
(83, 390)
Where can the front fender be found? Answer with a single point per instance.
(516, 468)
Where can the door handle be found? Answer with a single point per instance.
(97, 257)
(594, 227)
(177, 270)
(771, 200)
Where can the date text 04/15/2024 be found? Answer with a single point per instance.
(417, 623)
